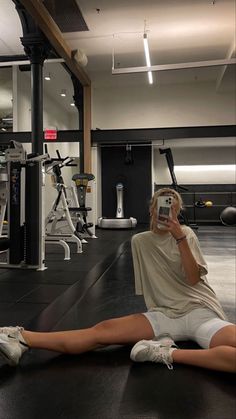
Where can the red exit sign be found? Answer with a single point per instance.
(50, 134)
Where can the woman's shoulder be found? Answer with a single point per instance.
(140, 236)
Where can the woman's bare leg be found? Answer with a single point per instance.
(123, 330)
(221, 356)
(130, 329)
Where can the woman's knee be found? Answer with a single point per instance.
(224, 336)
(102, 326)
(103, 331)
(123, 330)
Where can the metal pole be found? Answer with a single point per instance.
(37, 107)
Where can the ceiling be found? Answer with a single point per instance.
(179, 31)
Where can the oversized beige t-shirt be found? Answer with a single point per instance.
(160, 277)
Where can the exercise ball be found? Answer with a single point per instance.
(228, 216)
(208, 204)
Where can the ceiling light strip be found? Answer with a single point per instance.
(147, 57)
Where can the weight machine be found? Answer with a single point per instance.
(81, 182)
(67, 220)
(59, 217)
(3, 192)
(25, 205)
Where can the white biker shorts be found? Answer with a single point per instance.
(199, 325)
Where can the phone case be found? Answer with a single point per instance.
(163, 209)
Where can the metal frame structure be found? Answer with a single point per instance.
(177, 66)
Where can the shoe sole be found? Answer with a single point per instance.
(7, 358)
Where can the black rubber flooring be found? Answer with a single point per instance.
(105, 383)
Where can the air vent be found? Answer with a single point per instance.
(67, 15)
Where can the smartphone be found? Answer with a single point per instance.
(163, 210)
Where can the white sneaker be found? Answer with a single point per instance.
(165, 340)
(159, 350)
(12, 344)
(12, 330)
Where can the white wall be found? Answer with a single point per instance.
(154, 106)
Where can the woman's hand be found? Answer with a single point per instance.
(173, 225)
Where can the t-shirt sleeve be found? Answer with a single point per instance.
(197, 253)
(137, 269)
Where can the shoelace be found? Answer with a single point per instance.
(160, 355)
(6, 329)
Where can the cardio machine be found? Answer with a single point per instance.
(119, 221)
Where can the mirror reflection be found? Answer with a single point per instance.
(6, 102)
(59, 111)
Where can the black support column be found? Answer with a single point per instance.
(37, 57)
(37, 49)
(79, 103)
(37, 53)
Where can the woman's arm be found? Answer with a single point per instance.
(190, 265)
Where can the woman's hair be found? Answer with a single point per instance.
(161, 192)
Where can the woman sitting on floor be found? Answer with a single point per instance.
(170, 272)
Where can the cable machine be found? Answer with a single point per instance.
(24, 209)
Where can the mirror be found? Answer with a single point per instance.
(6, 102)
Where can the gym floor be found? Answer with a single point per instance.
(93, 286)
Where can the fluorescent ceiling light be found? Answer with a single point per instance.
(150, 78)
(147, 57)
(146, 50)
(206, 168)
(63, 93)
(47, 77)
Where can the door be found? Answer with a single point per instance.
(135, 177)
